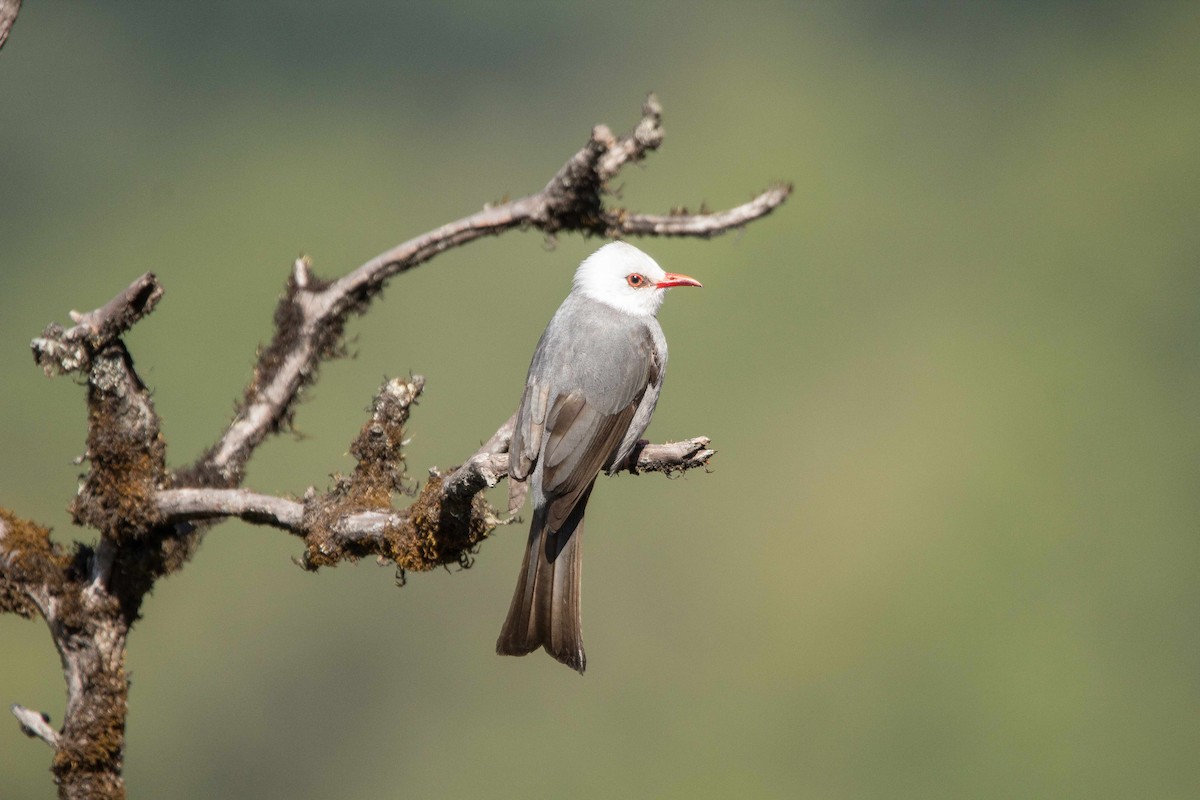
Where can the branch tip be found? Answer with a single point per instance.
(35, 724)
(302, 272)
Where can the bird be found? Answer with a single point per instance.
(592, 386)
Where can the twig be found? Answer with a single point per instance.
(705, 225)
(182, 505)
(35, 723)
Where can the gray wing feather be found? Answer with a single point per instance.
(592, 387)
(641, 417)
(598, 434)
(527, 431)
(526, 442)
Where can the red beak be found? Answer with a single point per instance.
(671, 279)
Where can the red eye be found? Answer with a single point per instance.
(636, 281)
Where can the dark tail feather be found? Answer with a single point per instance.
(545, 606)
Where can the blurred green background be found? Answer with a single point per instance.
(949, 547)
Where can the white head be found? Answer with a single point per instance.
(621, 276)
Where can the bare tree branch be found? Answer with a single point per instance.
(356, 518)
(312, 313)
(483, 470)
(336, 530)
(705, 224)
(184, 505)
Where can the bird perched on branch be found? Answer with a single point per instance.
(592, 387)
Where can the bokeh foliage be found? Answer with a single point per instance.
(950, 545)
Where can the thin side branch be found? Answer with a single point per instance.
(184, 505)
(35, 724)
(706, 225)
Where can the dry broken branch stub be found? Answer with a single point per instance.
(59, 350)
(431, 532)
(379, 446)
